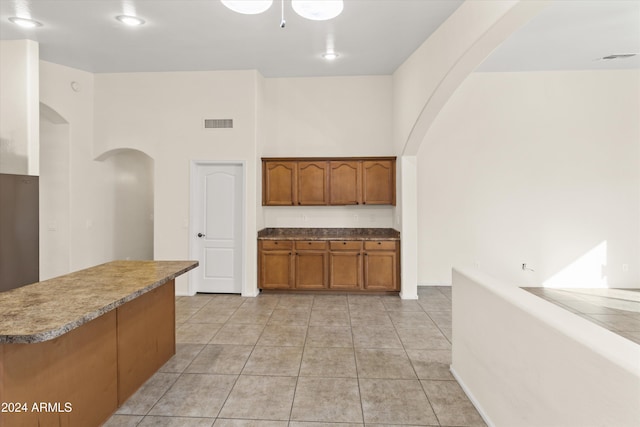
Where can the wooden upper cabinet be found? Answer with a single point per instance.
(378, 182)
(328, 181)
(345, 179)
(313, 183)
(279, 183)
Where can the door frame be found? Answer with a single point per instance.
(193, 172)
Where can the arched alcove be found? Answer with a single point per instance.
(54, 193)
(132, 200)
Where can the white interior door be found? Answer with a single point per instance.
(217, 216)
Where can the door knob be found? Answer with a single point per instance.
(200, 235)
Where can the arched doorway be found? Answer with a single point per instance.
(54, 193)
(132, 194)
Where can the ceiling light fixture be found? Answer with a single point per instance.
(330, 56)
(318, 10)
(25, 22)
(248, 7)
(132, 21)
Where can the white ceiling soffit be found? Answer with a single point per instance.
(372, 37)
(573, 35)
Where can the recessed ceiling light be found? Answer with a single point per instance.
(330, 56)
(25, 22)
(132, 21)
(318, 10)
(248, 7)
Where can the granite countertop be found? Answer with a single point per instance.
(328, 234)
(46, 310)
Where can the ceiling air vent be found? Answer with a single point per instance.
(218, 123)
(619, 56)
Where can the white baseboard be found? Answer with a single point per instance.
(473, 400)
(183, 294)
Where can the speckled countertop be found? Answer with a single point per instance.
(328, 234)
(46, 310)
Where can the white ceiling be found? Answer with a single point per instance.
(372, 37)
(573, 35)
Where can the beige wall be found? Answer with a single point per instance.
(19, 109)
(161, 114)
(328, 116)
(89, 191)
(539, 168)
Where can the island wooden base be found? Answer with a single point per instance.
(80, 378)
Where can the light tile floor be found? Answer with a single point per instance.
(617, 310)
(306, 361)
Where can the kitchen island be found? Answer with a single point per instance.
(74, 348)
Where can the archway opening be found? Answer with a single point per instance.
(54, 193)
(132, 195)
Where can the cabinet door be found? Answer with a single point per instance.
(345, 270)
(378, 182)
(380, 270)
(279, 183)
(276, 269)
(312, 183)
(344, 183)
(311, 269)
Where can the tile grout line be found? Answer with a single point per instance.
(355, 359)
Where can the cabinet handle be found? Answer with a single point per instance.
(344, 243)
(379, 243)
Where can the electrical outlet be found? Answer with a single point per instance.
(525, 267)
(355, 218)
(625, 268)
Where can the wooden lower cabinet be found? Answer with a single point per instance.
(311, 265)
(348, 265)
(276, 264)
(381, 266)
(345, 265)
(380, 271)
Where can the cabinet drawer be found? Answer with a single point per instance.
(388, 245)
(345, 245)
(311, 245)
(270, 245)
